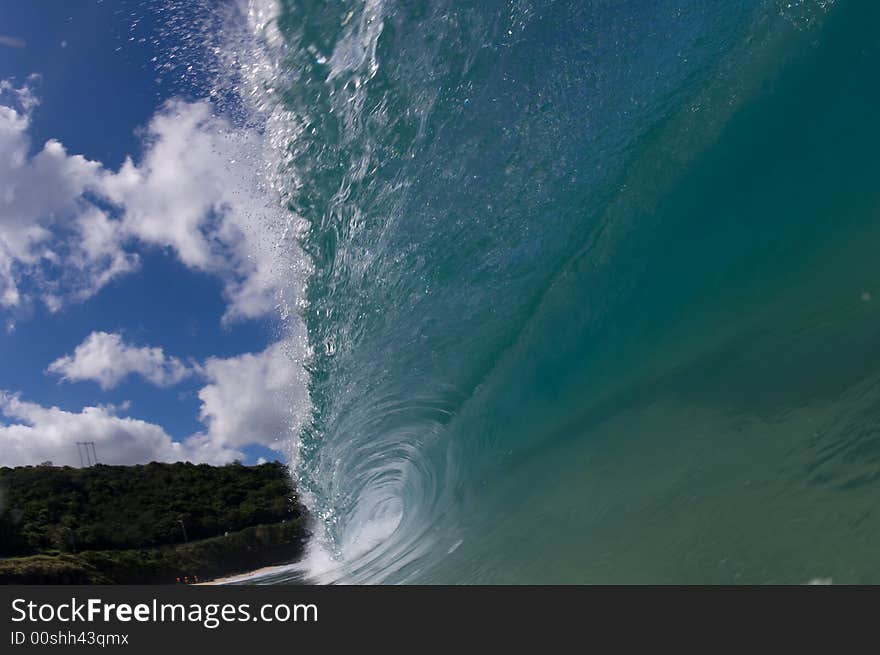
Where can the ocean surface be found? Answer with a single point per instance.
(594, 292)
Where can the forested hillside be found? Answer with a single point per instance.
(50, 509)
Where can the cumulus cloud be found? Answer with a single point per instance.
(69, 225)
(39, 433)
(105, 358)
(50, 235)
(208, 176)
(251, 399)
(258, 398)
(22, 96)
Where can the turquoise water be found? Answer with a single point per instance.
(596, 290)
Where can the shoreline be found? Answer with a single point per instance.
(241, 577)
(147, 524)
(239, 555)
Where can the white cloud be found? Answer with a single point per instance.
(23, 96)
(49, 433)
(106, 359)
(45, 222)
(199, 191)
(259, 398)
(68, 225)
(252, 399)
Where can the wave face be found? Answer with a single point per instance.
(595, 291)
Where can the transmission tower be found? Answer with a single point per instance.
(88, 456)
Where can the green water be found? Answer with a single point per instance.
(616, 318)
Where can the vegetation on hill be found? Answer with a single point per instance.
(145, 523)
(237, 552)
(115, 507)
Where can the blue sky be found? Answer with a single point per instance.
(140, 283)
